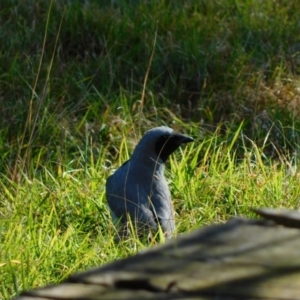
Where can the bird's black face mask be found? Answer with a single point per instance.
(166, 145)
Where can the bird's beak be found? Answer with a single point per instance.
(184, 139)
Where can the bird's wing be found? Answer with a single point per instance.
(128, 198)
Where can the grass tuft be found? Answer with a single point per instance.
(81, 81)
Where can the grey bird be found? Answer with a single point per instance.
(138, 188)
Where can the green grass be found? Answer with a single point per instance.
(81, 81)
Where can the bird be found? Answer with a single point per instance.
(138, 192)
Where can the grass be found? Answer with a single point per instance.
(81, 81)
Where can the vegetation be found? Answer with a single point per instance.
(80, 81)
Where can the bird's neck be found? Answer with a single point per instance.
(150, 164)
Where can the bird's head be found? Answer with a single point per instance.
(160, 142)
